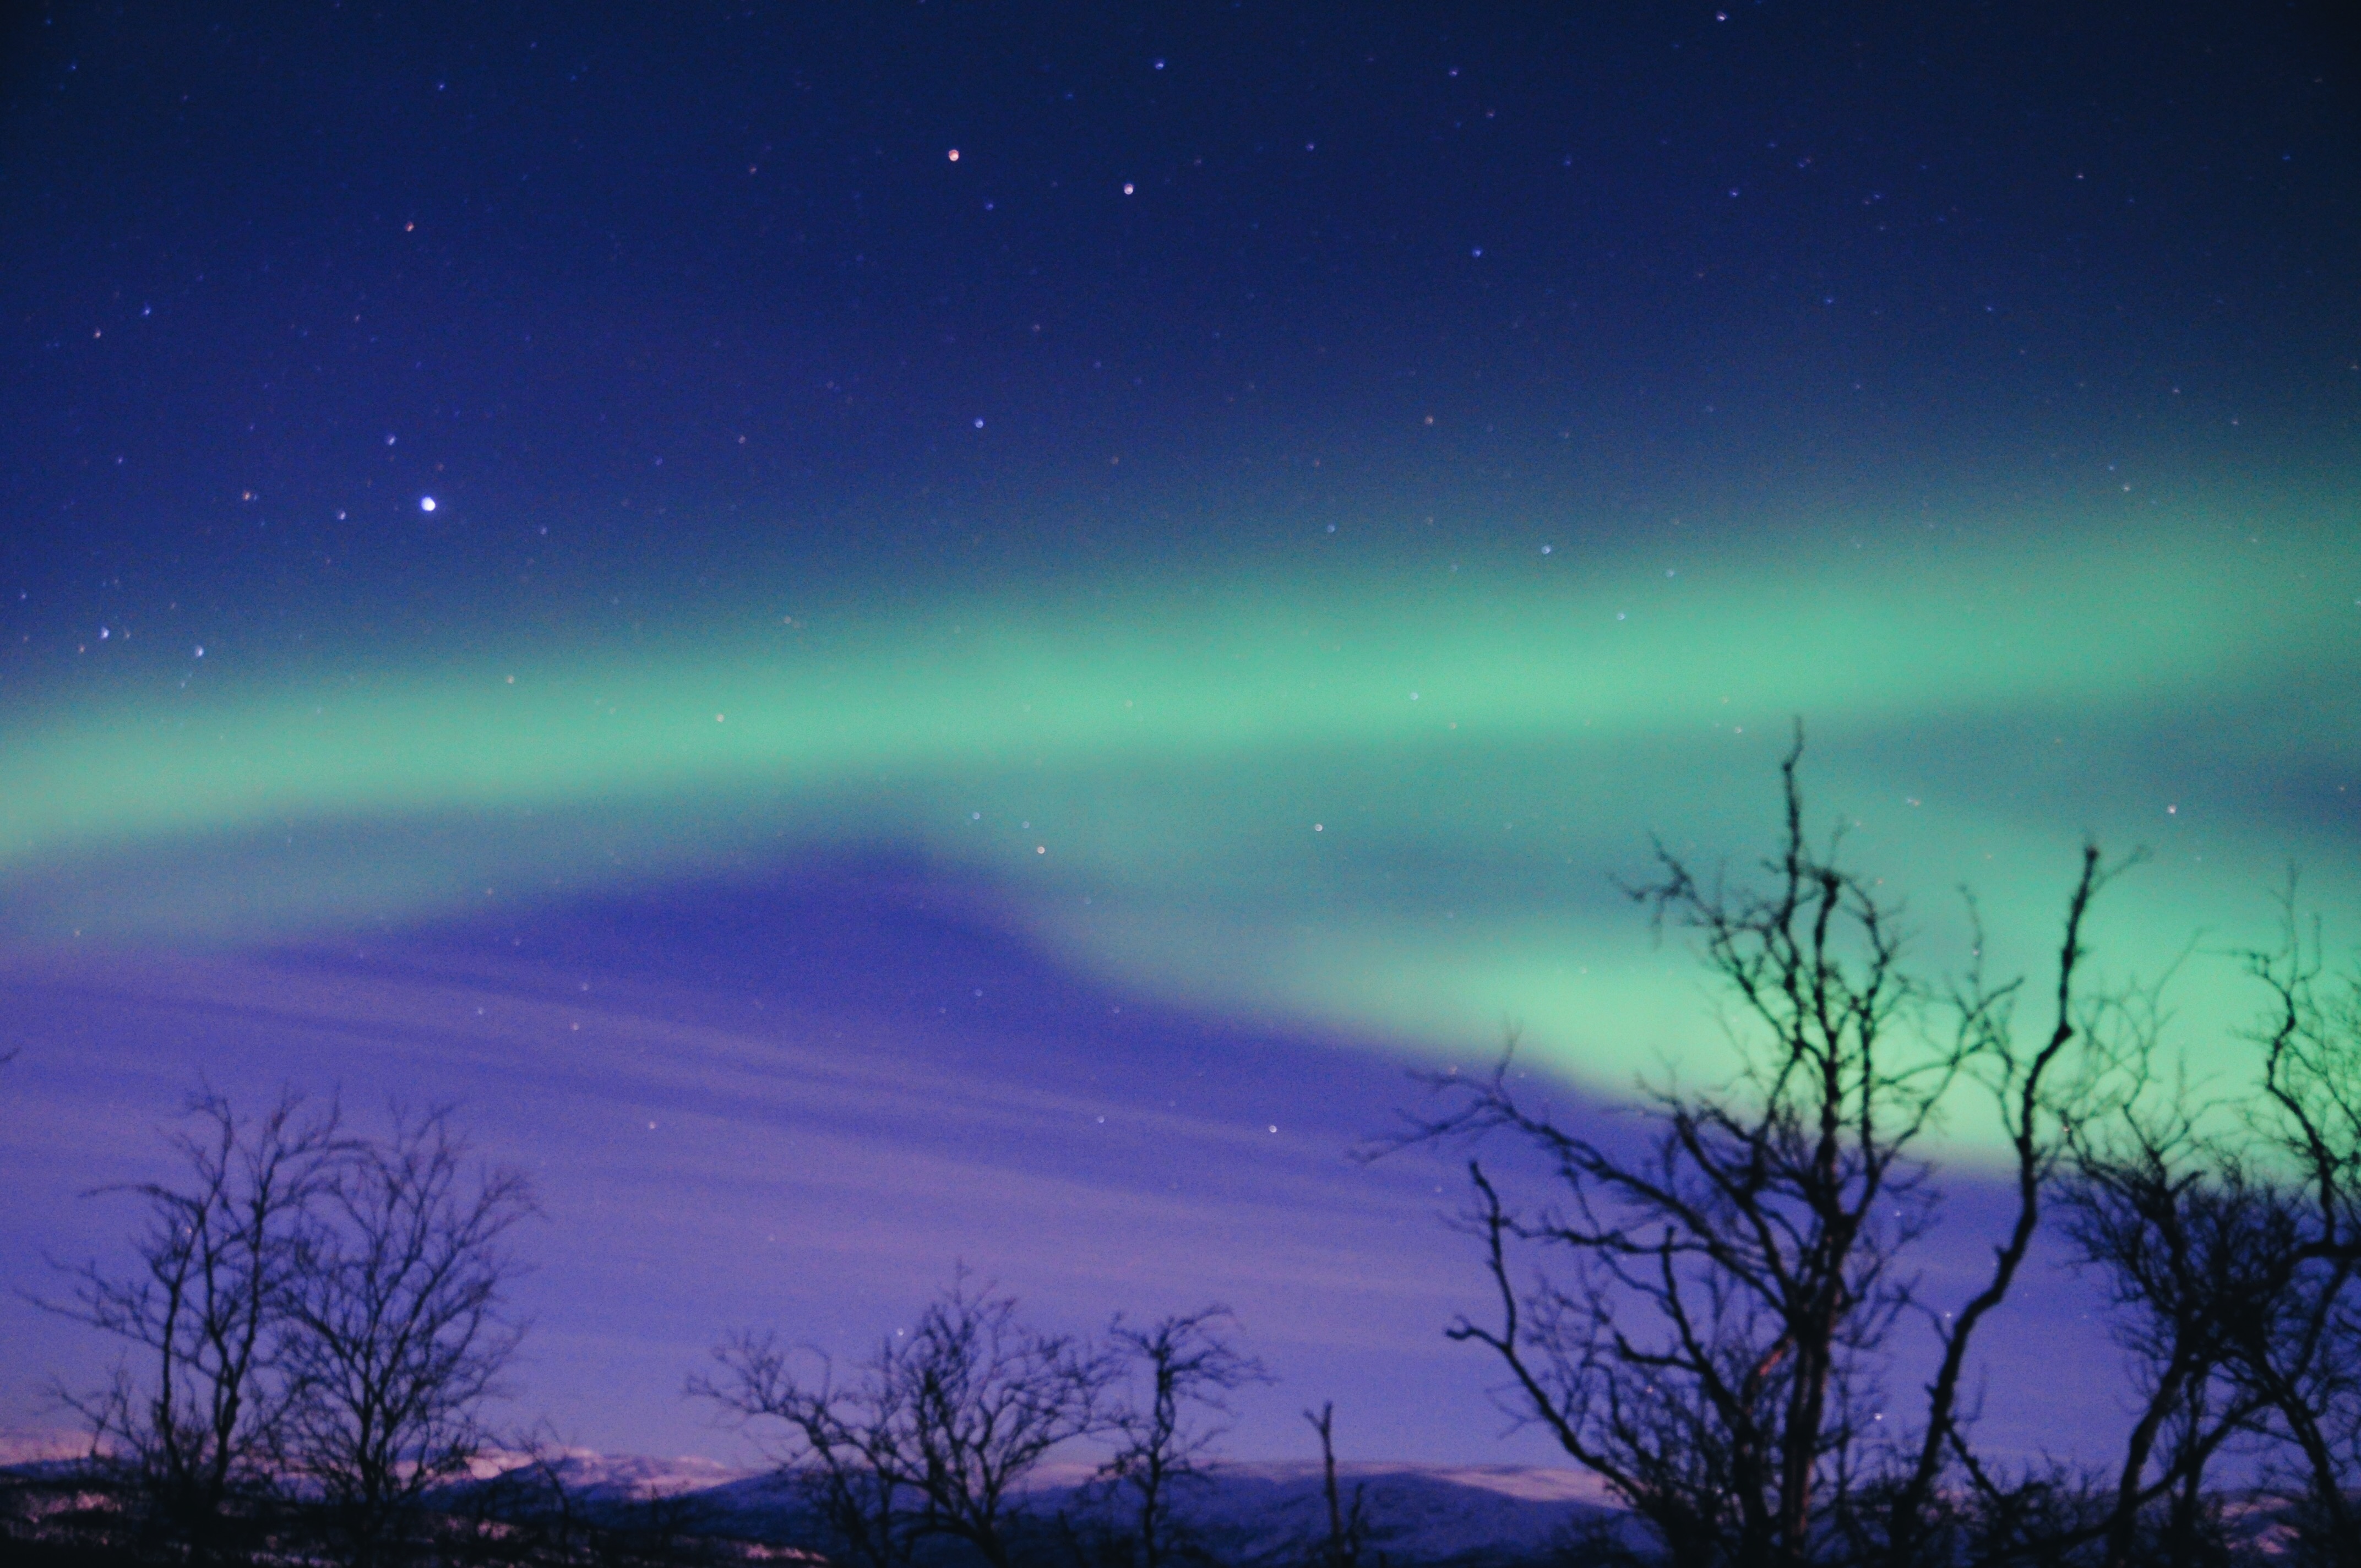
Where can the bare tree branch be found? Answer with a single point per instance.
(200, 1406)
(401, 1331)
(936, 1428)
(1711, 1340)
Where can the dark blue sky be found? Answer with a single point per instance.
(662, 266)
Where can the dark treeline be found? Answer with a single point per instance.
(1703, 1304)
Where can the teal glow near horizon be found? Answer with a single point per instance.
(1382, 802)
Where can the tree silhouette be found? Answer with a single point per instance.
(199, 1408)
(935, 1430)
(398, 1330)
(1710, 1341)
(2222, 1222)
(1189, 1368)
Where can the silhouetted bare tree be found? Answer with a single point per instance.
(2224, 1226)
(1187, 1368)
(199, 1407)
(840, 1445)
(936, 1429)
(1348, 1522)
(1710, 1345)
(399, 1325)
(2299, 1360)
(2171, 1219)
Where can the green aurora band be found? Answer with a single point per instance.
(1381, 803)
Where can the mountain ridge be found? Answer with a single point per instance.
(1245, 1511)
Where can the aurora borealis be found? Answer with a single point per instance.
(1365, 803)
(916, 660)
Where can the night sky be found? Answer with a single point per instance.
(887, 635)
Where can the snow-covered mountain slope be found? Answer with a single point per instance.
(612, 1478)
(1414, 1513)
